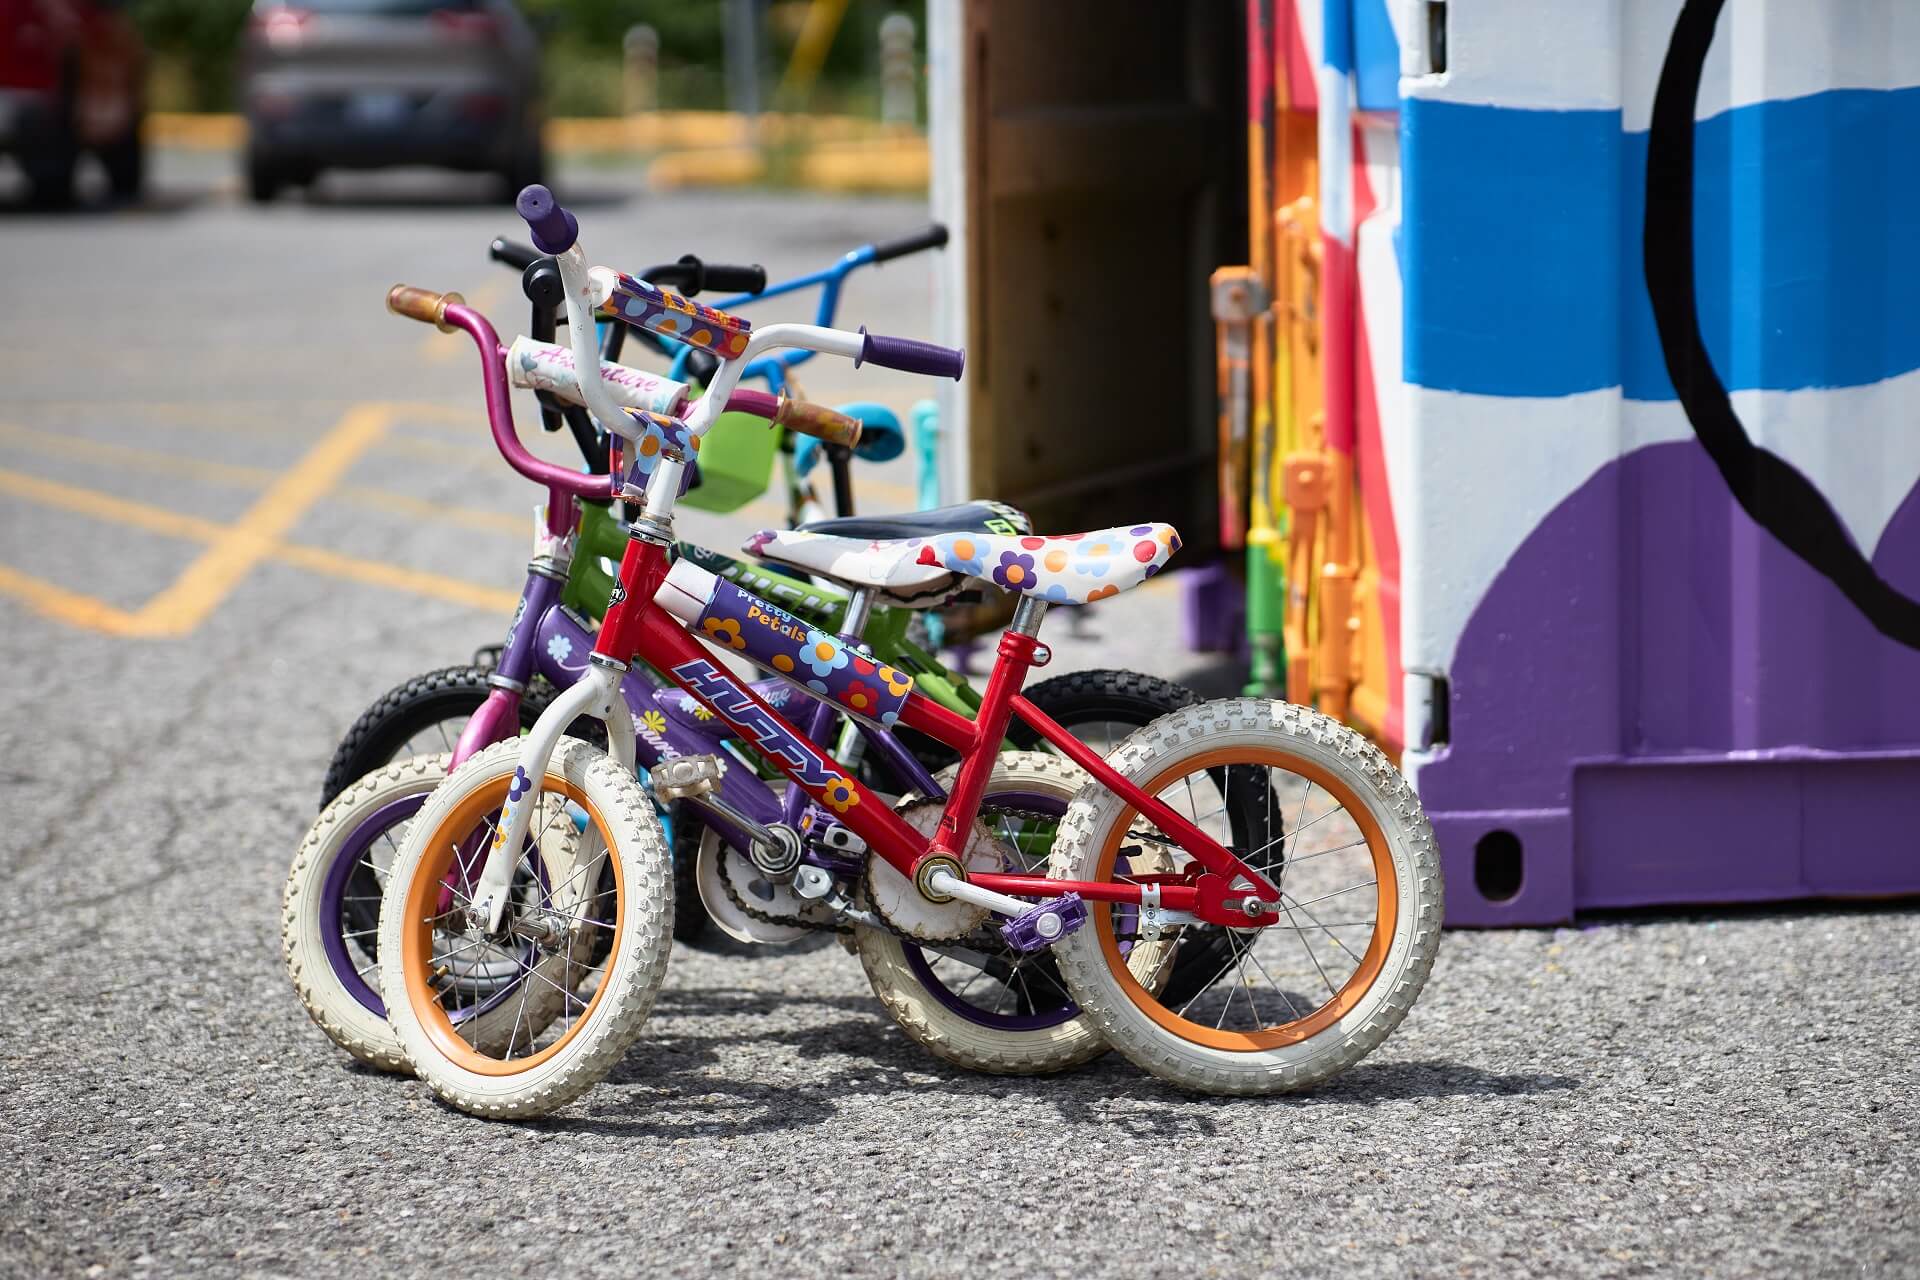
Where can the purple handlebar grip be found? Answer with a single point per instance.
(554, 229)
(910, 356)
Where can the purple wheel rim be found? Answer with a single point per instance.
(333, 897)
(923, 970)
(333, 894)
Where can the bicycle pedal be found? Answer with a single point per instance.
(686, 777)
(1045, 923)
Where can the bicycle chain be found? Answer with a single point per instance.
(835, 926)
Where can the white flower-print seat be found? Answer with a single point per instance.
(1075, 568)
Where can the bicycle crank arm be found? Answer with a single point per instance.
(1032, 926)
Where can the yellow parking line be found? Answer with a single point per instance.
(259, 477)
(66, 606)
(438, 512)
(104, 506)
(185, 603)
(85, 611)
(146, 459)
(410, 581)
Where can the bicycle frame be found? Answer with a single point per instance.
(638, 628)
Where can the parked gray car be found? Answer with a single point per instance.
(364, 84)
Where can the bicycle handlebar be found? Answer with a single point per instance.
(448, 312)
(933, 237)
(554, 229)
(910, 356)
(690, 275)
(423, 305)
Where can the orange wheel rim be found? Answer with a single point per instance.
(416, 942)
(1350, 993)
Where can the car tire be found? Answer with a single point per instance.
(125, 160)
(50, 163)
(264, 179)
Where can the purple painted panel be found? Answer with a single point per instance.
(1646, 617)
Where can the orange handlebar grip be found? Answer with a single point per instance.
(423, 305)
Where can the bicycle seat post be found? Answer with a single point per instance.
(859, 609)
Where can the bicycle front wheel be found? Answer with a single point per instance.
(1293, 1002)
(591, 929)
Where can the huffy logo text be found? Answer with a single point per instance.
(741, 711)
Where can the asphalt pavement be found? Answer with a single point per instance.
(238, 500)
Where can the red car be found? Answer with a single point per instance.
(72, 79)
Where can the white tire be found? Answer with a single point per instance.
(607, 988)
(349, 1021)
(367, 824)
(1254, 1055)
(972, 1036)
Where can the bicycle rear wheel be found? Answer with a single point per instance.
(1296, 1001)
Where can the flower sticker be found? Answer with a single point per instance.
(724, 631)
(699, 712)
(964, 555)
(1015, 571)
(654, 722)
(518, 787)
(757, 544)
(559, 648)
(899, 683)
(860, 697)
(840, 795)
(823, 653)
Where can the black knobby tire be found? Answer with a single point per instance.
(1090, 697)
(691, 923)
(409, 709)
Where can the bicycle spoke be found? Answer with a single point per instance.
(1331, 989)
(1330, 934)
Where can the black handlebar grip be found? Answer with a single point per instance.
(727, 278)
(513, 253)
(910, 356)
(554, 229)
(932, 238)
(543, 286)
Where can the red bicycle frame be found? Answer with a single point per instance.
(636, 627)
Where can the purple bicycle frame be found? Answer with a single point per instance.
(666, 722)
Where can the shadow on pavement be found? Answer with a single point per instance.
(679, 1086)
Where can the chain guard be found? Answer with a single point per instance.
(748, 907)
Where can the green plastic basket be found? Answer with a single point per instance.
(736, 463)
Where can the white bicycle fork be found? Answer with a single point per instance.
(597, 694)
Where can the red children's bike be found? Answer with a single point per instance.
(549, 848)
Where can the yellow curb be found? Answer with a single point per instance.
(728, 167)
(874, 165)
(177, 129)
(885, 166)
(651, 131)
